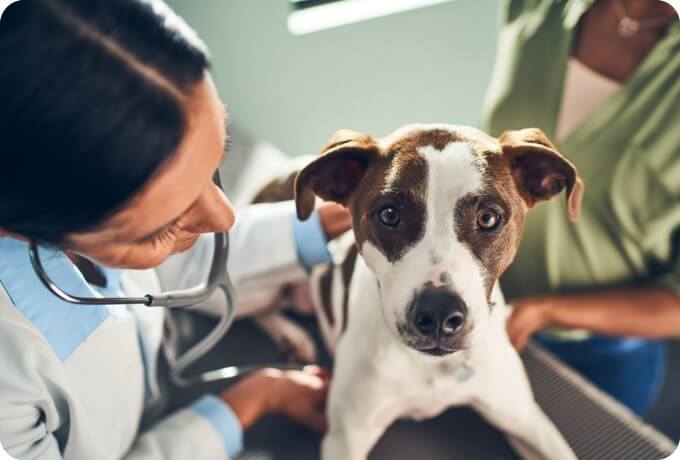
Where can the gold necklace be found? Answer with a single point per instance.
(628, 27)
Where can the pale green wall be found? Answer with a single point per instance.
(427, 65)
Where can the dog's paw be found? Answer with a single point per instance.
(298, 297)
(298, 347)
(290, 338)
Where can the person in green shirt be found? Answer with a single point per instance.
(602, 80)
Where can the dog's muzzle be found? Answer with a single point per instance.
(436, 321)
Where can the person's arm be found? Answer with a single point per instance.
(206, 429)
(647, 311)
(209, 429)
(268, 241)
(212, 427)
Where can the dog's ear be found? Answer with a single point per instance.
(335, 174)
(539, 170)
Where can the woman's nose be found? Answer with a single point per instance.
(213, 212)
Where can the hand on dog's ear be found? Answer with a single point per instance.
(539, 170)
(335, 174)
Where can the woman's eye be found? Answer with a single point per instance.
(164, 237)
(488, 220)
(389, 216)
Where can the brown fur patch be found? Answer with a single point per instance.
(495, 249)
(326, 288)
(437, 138)
(347, 272)
(398, 180)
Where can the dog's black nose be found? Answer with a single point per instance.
(438, 313)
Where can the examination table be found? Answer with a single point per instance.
(596, 426)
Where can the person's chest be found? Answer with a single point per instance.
(112, 373)
(106, 386)
(87, 380)
(531, 72)
(599, 44)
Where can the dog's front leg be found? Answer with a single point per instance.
(508, 403)
(359, 408)
(533, 436)
(348, 443)
(356, 420)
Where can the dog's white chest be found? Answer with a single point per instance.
(449, 385)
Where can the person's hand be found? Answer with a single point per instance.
(299, 395)
(335, 219)
(529, 316)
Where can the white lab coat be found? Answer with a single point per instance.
(78, 393)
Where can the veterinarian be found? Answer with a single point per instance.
(111, 131)
(602, 79)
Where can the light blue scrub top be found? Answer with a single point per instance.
(66, 326)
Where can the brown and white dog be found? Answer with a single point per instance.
(410, 306)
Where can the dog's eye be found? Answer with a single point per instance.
(389, 216)
(488, 219)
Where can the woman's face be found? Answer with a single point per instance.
(178, 204)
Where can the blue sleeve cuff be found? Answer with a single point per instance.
(223, 419)
(310, 241)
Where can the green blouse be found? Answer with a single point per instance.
(627, 152)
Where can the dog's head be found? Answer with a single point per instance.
(438, 213)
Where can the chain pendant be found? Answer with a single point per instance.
(628, 27)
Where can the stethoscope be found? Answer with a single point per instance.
(218, 278)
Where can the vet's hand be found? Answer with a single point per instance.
(335, 219)
(529, 316)
(300, 395)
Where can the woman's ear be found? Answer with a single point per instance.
(539, 170)
(336, 173)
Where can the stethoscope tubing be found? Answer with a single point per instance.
(218, 278)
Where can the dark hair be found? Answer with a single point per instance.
(91, 104)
